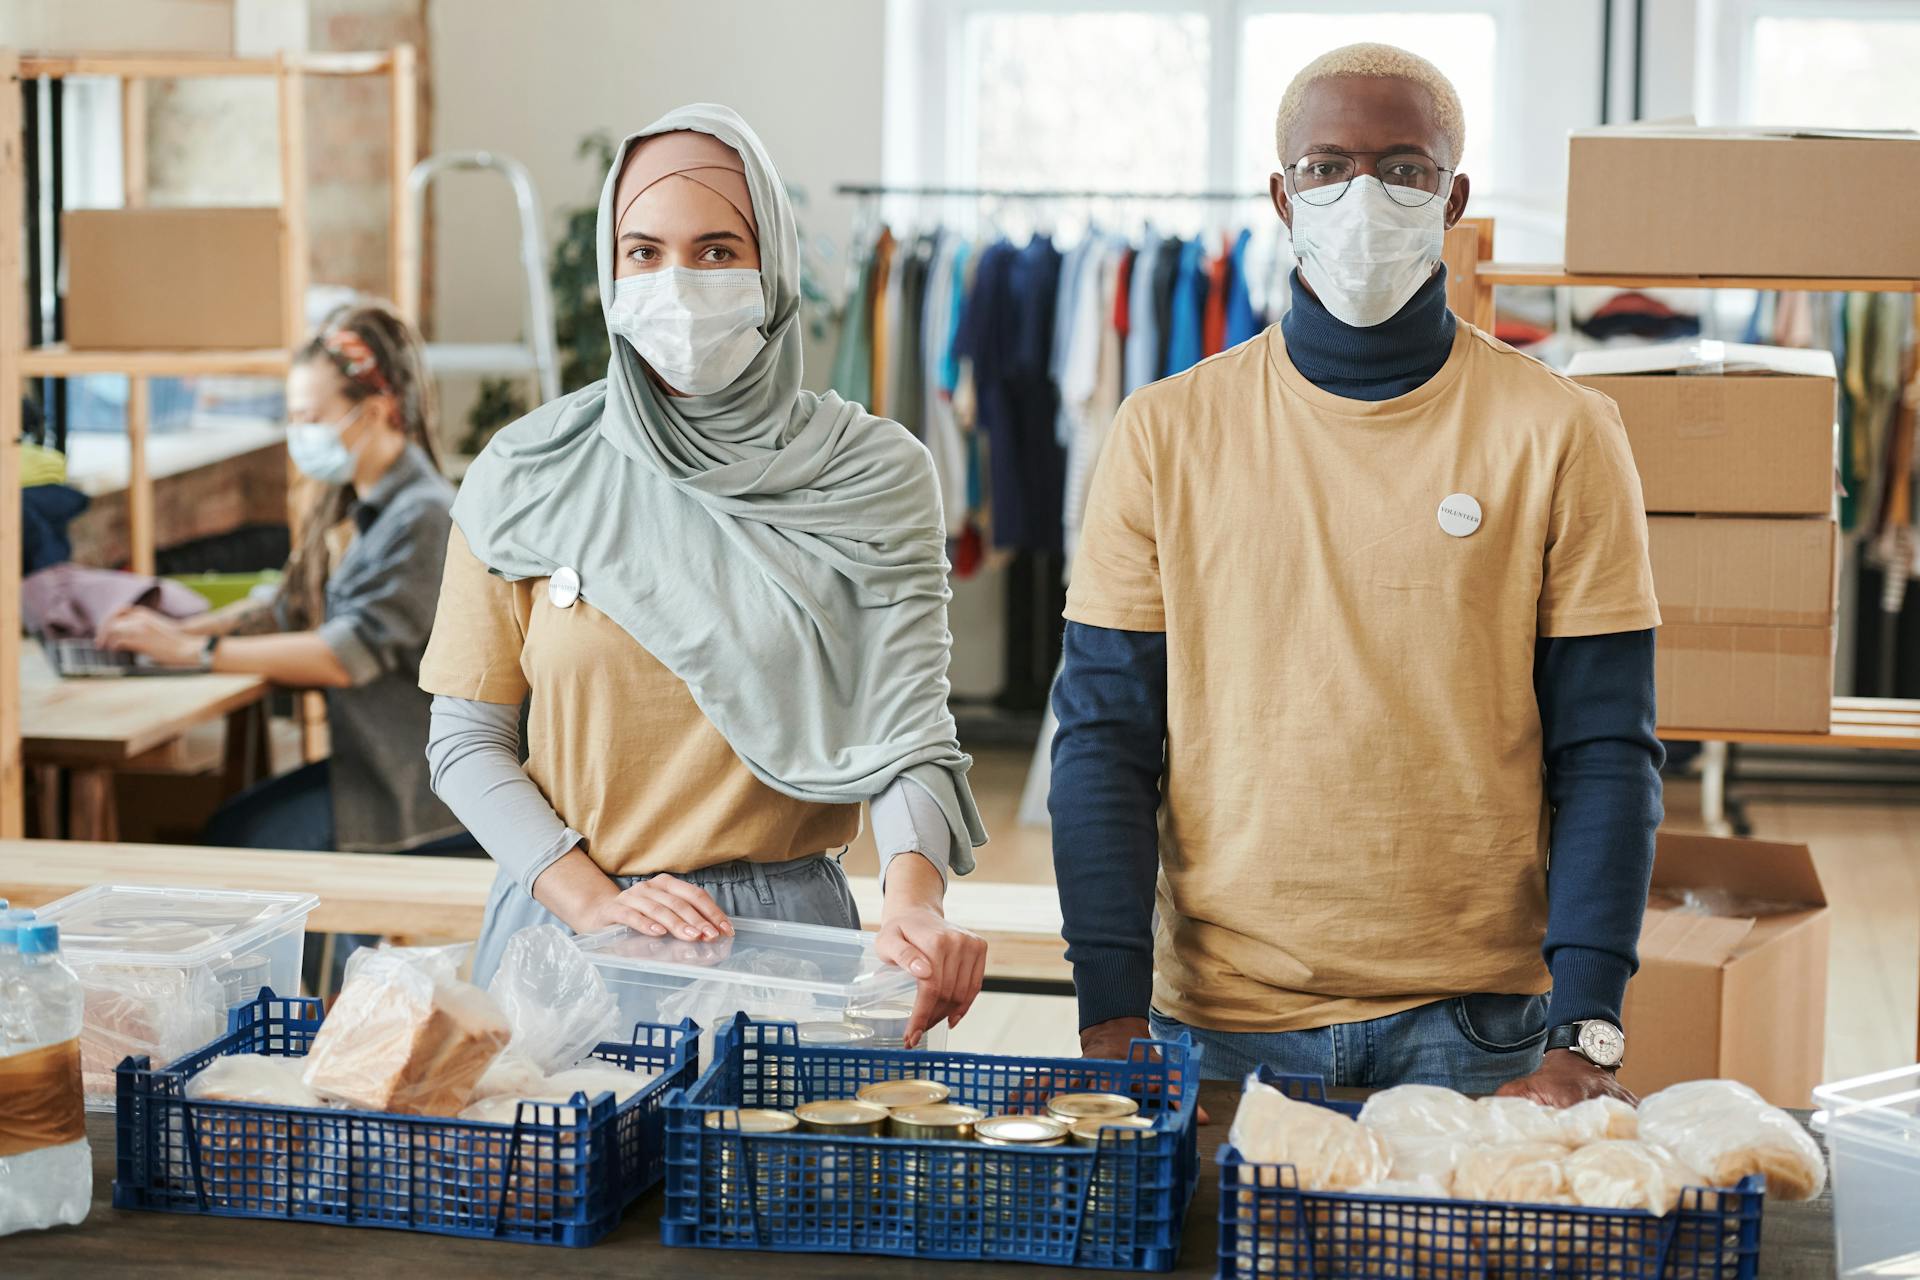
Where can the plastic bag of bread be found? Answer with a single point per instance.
(405, 1035)
(1421, 1111)
(254, 1077)
(1504, 1121)
(511, 1076)
(1329, 1151)
(1529, 1172)
(556, 1001)
(1727, 1131)
(1627, 1174)
(1597, 1120)
(1430, 1160)
(594, 1077)
(243, 1156)
(159, 1012)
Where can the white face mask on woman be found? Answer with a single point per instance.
(699, 330)
(318, 451)
(1366, 254)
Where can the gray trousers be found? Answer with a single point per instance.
(809, 890)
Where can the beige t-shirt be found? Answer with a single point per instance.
(615, 740)
(1354, 821)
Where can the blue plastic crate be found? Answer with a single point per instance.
(1120, 1206)
(1271, 1228)
(543, 1179)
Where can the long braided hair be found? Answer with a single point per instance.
(375, 352)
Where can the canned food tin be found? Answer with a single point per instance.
(755, 1120)
(910, 1092)
(836, 1034)
(1074, 1107)
(1086, 1133)
(843, 1117)
(936, 1122)
(887, 1021)
(1020, 1131)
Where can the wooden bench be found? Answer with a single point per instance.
(397, 895)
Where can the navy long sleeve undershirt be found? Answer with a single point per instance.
(1596, 700)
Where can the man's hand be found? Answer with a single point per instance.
(950, 962)
(1565, 1078)
(1110, 1041)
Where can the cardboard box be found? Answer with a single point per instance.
(174, 279)
(1723, 427)
(1741, 995)
(1678, 199)
(1747, 609)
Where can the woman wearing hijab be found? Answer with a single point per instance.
(722, 598)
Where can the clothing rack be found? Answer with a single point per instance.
(1020, 193)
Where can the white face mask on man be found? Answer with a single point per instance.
(698, 330)
(1366, 254)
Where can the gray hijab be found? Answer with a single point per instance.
(781, 552)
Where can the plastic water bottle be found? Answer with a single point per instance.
(41, 1007)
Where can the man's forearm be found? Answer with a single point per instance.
(1108, 756)
(1603, 779)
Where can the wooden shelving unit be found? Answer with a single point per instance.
(18, 362)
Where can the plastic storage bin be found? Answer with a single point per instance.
(769, 970)
(162, 967)
(1271, 1228)
(1119, 1206)
(1872, 1127)
(558, 1175)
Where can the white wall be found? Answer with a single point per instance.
(531, 79)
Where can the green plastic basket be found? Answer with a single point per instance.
(223, 589)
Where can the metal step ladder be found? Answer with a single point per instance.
(538, 354)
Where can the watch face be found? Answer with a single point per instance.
(1603, 1043)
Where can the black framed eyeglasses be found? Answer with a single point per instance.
(1411, 179)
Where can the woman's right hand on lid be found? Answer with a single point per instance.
(666, 906)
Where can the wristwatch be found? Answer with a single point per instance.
(206, 652)
(1596, 1040)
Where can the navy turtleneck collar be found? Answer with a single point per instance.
(1388, 360)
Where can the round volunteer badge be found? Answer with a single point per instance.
(1459, 515)
(563, 588)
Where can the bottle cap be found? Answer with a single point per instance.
(38, 939)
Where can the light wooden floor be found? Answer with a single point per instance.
(1869, 860)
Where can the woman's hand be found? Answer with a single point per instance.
(665, 905)
(140, 630)
(949, 961)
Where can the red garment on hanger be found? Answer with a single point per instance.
(1122, 318)
(1213, 324)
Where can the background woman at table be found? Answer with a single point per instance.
(354, 608)
(722, 598)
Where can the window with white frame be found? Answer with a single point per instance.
(1834, 65)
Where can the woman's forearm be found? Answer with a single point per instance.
(913, 882)
(241, 618)
(573, 888)
(298, 658)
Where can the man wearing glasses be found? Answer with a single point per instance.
(1361, 624)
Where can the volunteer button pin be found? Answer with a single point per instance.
(563, 588)
(1459, 514)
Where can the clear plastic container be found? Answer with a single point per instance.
(1872, 1127)
(161, 967)
(769, 969)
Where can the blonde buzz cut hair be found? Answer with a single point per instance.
(1374, 60)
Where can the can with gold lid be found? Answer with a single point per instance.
(754, 1120)
(842, 1117)
(1020, 1131)
(935, 1122)
(1072, 1108)
(909, 1092)
(736, 1159)
(1086, 1133)
(887, 1021)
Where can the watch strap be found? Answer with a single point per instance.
(1564, 1036)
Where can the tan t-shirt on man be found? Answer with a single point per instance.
(1354, 820)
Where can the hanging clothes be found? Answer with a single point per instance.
(1184, 347)
(853, 359)
(1166, 269)
(885, 301)
(1094, 387)
(941, 429)
(1243, 322)
(1213, 329)
(1142, 355)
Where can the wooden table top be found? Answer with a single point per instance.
(399, 894)
(106, 721)
(1796, 1241)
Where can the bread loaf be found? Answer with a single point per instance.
(399, 1041)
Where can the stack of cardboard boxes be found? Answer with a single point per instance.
(1734, 445)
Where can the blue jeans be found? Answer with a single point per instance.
(1471, 1043)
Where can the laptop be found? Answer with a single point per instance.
(82, 658)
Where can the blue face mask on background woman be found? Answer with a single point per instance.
(316, 448)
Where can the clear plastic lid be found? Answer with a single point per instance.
(128, 924)
(830, 965)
